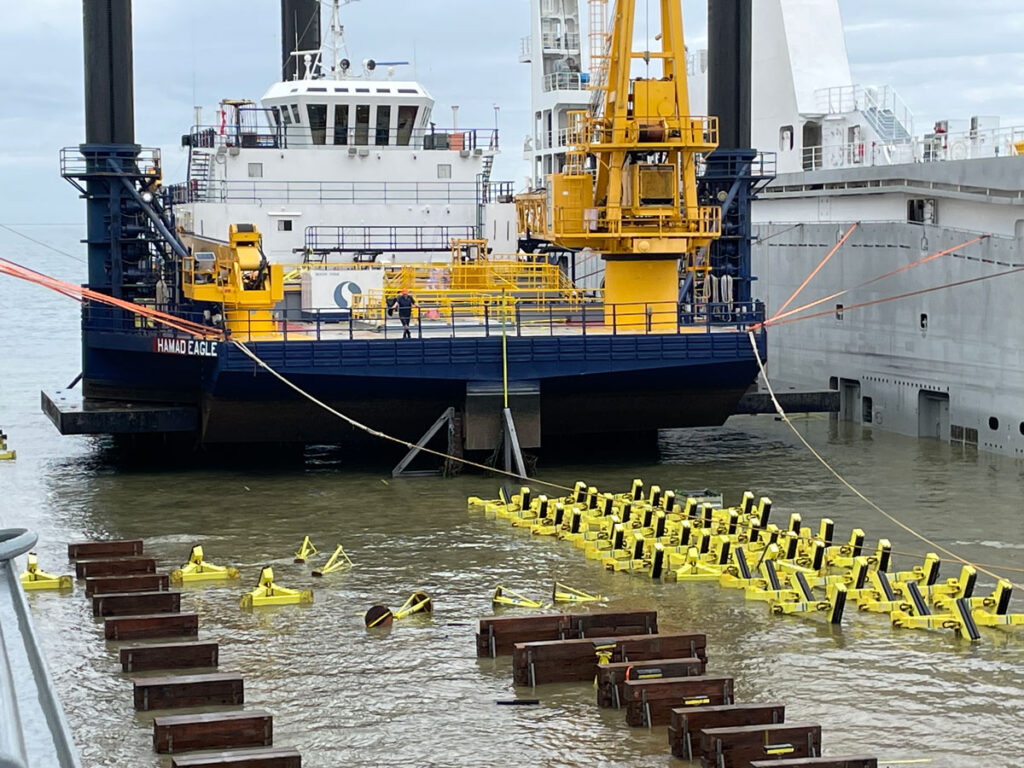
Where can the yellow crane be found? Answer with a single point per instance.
(628, 188)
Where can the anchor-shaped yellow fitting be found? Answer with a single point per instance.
(306, 550)
(338, 561)
(269, 593)
(562, 593)
(382, 616)
(33, 578)
(506, 596)
(197, 569)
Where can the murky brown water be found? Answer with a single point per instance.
(418, 695)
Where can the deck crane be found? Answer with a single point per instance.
(628, 189)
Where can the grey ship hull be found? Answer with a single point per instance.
(946, 364)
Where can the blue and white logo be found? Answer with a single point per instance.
(345, 292)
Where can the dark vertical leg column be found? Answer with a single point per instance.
(734, 171)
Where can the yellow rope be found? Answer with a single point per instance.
(383, 436)
(845, 482)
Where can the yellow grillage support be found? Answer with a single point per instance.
(339, 561)
(197, 569)
(795, 570)
(268, 593)
(306, 551)
(33, 578)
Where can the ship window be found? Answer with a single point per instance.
(362, 90)
(839, 311)
(341, 123)
(785, 138)
(993, 423)
(284, 225)
(867, 408)
(362, 123)
(383, 90)
(383, 124)
(407, 90)
(318, 122)
(921, 211)
(286, 116)
(406, 120)
(318, 90)
(444, 170)
(295, 113)
(924, 321)
(255, 170)
(1021, 427)
(277, 115)
(341, 90)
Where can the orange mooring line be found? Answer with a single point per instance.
(778, 317)
(817, 269)
(77, 292)
(932, 289)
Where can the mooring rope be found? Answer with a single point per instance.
(785, 418)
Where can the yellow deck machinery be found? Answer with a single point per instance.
(239, 277)
(628, 188)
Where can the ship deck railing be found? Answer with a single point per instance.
(474, 318)
(354, 138)
(353, 192)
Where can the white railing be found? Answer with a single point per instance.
(525, 47)
(970, 145)
(567, 41)
(934, 147)
(881, 106)
(563, 81)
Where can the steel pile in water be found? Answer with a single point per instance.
(793, 569)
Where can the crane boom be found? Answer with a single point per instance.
(628, 188)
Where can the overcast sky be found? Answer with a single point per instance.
(947, 58)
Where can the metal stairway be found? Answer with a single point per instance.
(199, 164)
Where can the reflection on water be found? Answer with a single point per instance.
(417, 695)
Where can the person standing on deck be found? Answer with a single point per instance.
(405, 302)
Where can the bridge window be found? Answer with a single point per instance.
(341, 123)
(277, 115)
(406, 121)
(295, 114)
(362, 123)
(286, 116)
(383, 124)
(318, 122)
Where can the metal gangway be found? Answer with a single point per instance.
(33, 731)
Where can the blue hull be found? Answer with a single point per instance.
(588, 384)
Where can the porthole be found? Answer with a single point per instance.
(993, 423)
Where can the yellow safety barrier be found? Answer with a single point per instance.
(33, 578)
(197, 569)
(269, 593)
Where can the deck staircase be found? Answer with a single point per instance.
(200, 164)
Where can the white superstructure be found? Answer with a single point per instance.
(339, 149)
(932, 348)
